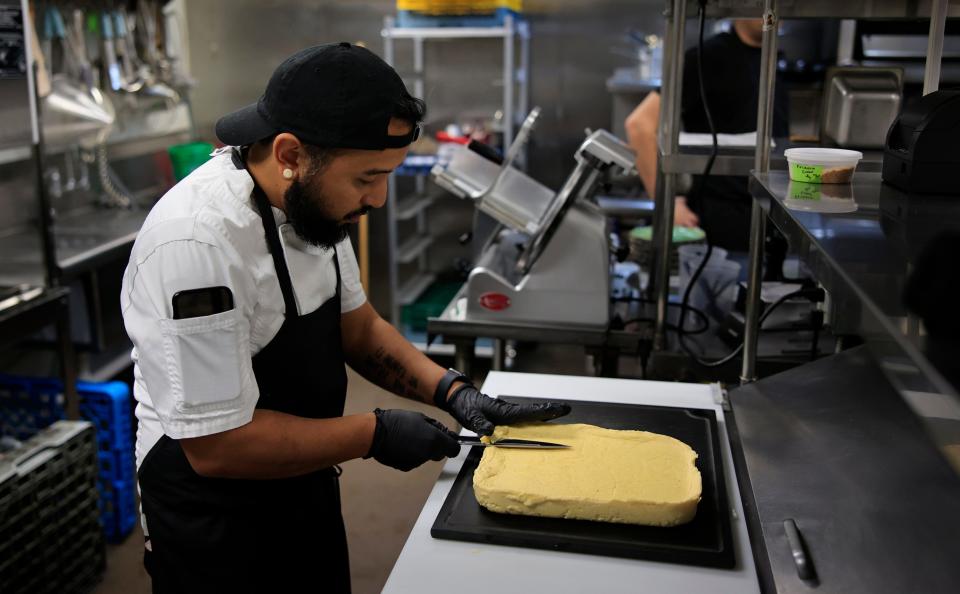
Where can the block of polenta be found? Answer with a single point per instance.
(629, 477)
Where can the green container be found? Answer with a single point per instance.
(189, 156)
(641, 244)
(429, 305)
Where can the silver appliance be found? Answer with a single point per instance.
(860, 104)
(549, 262)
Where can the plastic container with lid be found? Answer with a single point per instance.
(822, 165)
(822, 198)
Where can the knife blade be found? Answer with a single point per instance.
(511, 443)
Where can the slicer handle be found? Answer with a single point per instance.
(801, 557)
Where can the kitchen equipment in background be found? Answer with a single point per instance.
(549, 261)
(648, 52)
(922, 153)
(706, 541)
(72, 111)
(860, 104)
(903, 43)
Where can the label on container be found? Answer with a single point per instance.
(806, 173)
(802, 191)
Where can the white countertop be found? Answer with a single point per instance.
(430, 565)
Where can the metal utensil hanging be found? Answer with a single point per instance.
(75, 112)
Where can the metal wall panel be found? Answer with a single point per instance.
(236, 44)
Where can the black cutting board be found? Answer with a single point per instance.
(707, 540)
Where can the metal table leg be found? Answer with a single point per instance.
(499, 354)
(68, 363)
(768, 63)
(938, 22)
(464, 348)
(758, 220)
(668, 143)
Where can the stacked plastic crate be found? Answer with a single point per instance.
(456, 13)
(50, 534)
(29, 404)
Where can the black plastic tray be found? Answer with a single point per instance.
(707, 540)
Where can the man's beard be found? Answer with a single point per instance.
(307, 215)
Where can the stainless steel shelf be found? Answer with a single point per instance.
(740, 161)
(414, 287)
(864, 259)
(410, 207)
(726, 163)
(410, 250)
(446, 32)
(82, 239)
(142, 145)
(119, 145)
(513, 37)
(793, 9)
(454, 322)
(15, 154)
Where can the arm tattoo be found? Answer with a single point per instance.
(387, 372)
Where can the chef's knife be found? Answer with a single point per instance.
(510, 443)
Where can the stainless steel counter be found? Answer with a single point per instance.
(84, 238)
(832, 447)
(457, 327)
(865, 254)
(863, 257)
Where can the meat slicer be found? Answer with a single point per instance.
(549, 260)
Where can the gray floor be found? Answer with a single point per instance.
(380, 506)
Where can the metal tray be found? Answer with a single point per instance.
(706, 541)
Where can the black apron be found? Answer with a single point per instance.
(232, 535)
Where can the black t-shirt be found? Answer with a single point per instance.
(731, 75)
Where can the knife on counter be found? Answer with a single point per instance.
(510, 443)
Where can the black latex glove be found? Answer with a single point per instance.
(405, 439)
(479, 412)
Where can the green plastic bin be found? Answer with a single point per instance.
(429, 305)
(189, 156)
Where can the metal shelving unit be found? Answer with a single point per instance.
(674, 161)
(405, 289)
(786, 428)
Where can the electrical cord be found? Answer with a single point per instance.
(701, 316)
(814, 294)
(685, 301)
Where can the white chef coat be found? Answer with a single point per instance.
(194, 376)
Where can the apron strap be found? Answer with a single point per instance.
(274, 245)
(276, 250)
(336, 267)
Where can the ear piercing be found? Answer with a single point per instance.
(288, 173)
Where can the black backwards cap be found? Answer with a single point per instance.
(334, 96)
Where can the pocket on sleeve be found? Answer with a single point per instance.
(205, 360)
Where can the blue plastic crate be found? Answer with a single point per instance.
(118, 509)
(25, 409)
(107, 406)
(29, 404)
(416, 165)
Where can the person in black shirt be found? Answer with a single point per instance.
(731, 75)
